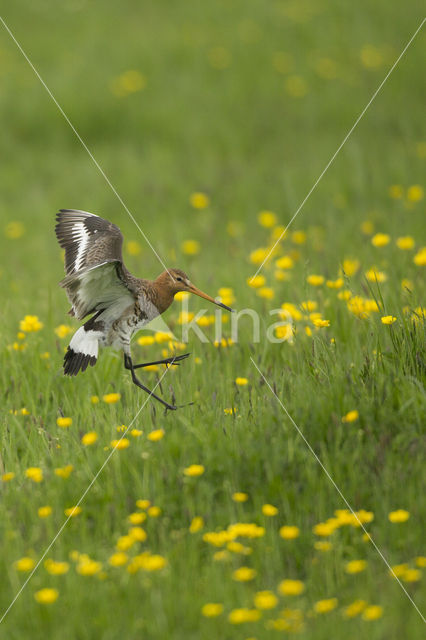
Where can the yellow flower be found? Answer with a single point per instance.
(212, 609)
(398, 570)
(34, 473)
(137, 518)
(324, 529)
(326, 68)
(291, 587)
(46, 595)
(258, 256)
(72, 512)
(64, 472)
(238, 616)
(56, 568)
(44, 512)
(238, 496)
(335, 284)
(146, 340)
(315, 281)
(281, 276)
(367, 227)
(7, 477)
(323, 545)
(138, 534)
(269, 510)
(135, 433)
(30, 323)
(244, 574)
(266, 292)
(405, 242)
(296, 86)
(298, 237)
(351, 416)
(128, 82)
(256, 281)
(241, 382)
(289, 532)
(133, 248)
(285, 332)
(350, 266)
(156, 435)
(154, 511)
(185, 317)
(354, 609)
(415, 193)
(355, 566)
(24, 564)
(143, 504)
(14, 230)
(237, 547)
(221, 556)
(371, 57)
(196, 525)
(265, 600)
(149, 562)
(320, 322)
(267, 219)
(324, 606)
(125, 542)
(118, 559)
(372, 612)
(380, 240)
(292, 310)
(63, 330)
(64, 422)
(421, 561)
(111, 398)
(94, 399)
(190, 247)
(411, 575)
(89, 438)
(396, 191)
(285, 262)
(245, 530)
(407, 284)
(388, 319)
(194, 470)
(373, 275)
(199, 200)
(123, 443)
(420, 257)
(88, 567)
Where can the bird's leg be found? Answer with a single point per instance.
(174, 360)
(129, 365)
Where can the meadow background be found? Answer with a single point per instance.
(243, 103)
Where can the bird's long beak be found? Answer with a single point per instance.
(197, 292)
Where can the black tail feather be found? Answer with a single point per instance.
(75, 362)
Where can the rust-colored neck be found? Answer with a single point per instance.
(162, 292)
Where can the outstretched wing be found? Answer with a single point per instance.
(96, 277)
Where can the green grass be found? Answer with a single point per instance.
(238, 135)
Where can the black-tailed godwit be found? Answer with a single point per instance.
(98, 283)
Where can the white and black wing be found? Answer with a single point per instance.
(96, 277)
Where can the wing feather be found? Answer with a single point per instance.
(96, 276)
(88, 240)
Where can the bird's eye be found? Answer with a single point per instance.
(179, 279)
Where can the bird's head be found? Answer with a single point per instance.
(176, 280)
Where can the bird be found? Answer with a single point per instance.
(98, 284)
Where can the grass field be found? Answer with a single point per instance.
(244, 103)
